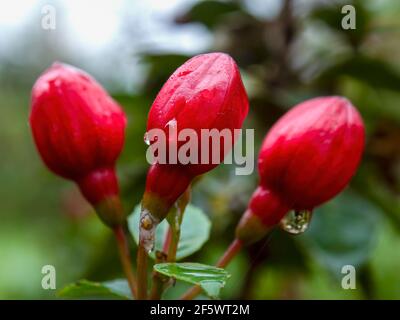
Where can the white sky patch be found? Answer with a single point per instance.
(93, 23)
(268, 9)
(152, 27)
(104, 37)
(14, 12)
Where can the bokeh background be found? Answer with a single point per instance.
(288, 51)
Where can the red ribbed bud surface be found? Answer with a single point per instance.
(78, 130)
(204, 93)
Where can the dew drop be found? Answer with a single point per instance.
(296, 221)
(148, 225)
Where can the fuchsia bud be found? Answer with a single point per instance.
(79, 132)
(204, 93)
(307, 158)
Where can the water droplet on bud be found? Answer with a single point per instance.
(296, 221)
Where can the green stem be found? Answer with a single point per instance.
(123, 249)
(157, 288)
(170, 245)
(173, 246)
(227, 257)
(147, 229)
(158, 279)
(141, 272)
(167, 240)
(175, 222)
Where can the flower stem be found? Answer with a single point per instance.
(123, 249)
(147, 230)
(158, 279)
(141, 272)
(227, 257)
(170, 246)
(158, 283)
(175, 222)
(167, 240)
(157, 288)
(173, 247)
(229, 254)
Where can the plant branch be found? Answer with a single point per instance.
(167, 240)
(147, 230)
(175, 221)
(170, 246)
(158, 280)
(141, 272)
(157, 287)
(123, 249)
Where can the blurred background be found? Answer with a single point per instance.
(288, 51)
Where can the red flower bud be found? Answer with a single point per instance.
(79, 132)
(204, 93)
(307, 158)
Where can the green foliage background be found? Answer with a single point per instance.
(294, 56)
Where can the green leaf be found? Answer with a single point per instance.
(195, 231)
(342, 232)
(210, 279)
(115, 289)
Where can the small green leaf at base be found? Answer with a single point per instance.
(195, 231)
(211, 279)
(84, 289)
